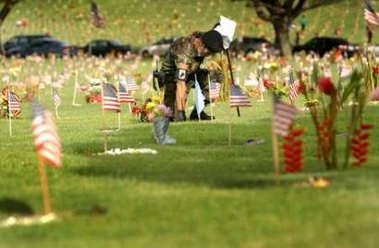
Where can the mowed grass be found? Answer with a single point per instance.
(210, 189)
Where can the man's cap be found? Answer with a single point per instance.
(213, 41)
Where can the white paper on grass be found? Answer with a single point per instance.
(251, 80)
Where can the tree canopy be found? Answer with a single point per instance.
(282, 12)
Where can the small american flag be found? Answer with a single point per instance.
(292, 88)
(110, 98)
(56, 99)
(371, 17)
(14, 104)
(214, 90)
(45, 136)
(237, 98)
(97, 19)
(130, 84)
(123, 95)
(283, 116)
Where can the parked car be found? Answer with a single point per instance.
(323, 45)
(21, 40)
(157, 48)
(249, 44)
(43, 47)
(106, 47)
(372, 50)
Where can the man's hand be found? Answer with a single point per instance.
(180, 95)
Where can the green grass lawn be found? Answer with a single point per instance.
(210, 189)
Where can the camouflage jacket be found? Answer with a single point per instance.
(182, 51)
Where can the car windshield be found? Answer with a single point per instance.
(115, 42)
(164, 41)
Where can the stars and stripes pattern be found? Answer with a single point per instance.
(45, 136)
(214, 90)
(371, 17)
(56, 99)
(131, 85)
(96, 18)
(14, 104)
(292, 88)
(123, 95)
(237, 98)
(110, 98)
(283, 115)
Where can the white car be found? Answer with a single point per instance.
(157, 48)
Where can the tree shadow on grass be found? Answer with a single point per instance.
(192, 174)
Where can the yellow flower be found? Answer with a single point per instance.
(150, 107)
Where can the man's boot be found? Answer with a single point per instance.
(203, 115)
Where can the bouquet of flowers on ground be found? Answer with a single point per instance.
(159, 114)
(154, 108)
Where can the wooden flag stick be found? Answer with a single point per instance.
(275, 147)
(119, 120)
(75, 88)
(44, 187)
(230, 126)
(9, 110)
(231, 76)
(56, 112)
(103, 117)
(210, 100)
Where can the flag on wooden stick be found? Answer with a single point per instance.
(131, 85)
(123, 95)
(57, 101)
(237, 98)
(110, 98)
(13, 104)
(371, 17)
(96, 18)
(45, 136)
(292, 88)
(56, 98)
(282, 117)
(48, 145)
(214, 90)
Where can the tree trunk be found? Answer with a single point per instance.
(282, 38)
(8, 5)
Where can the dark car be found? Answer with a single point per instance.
(249, 44)
(106, 47)
(157, 48)
(324, 45)
(43, 47)
(21, 40)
